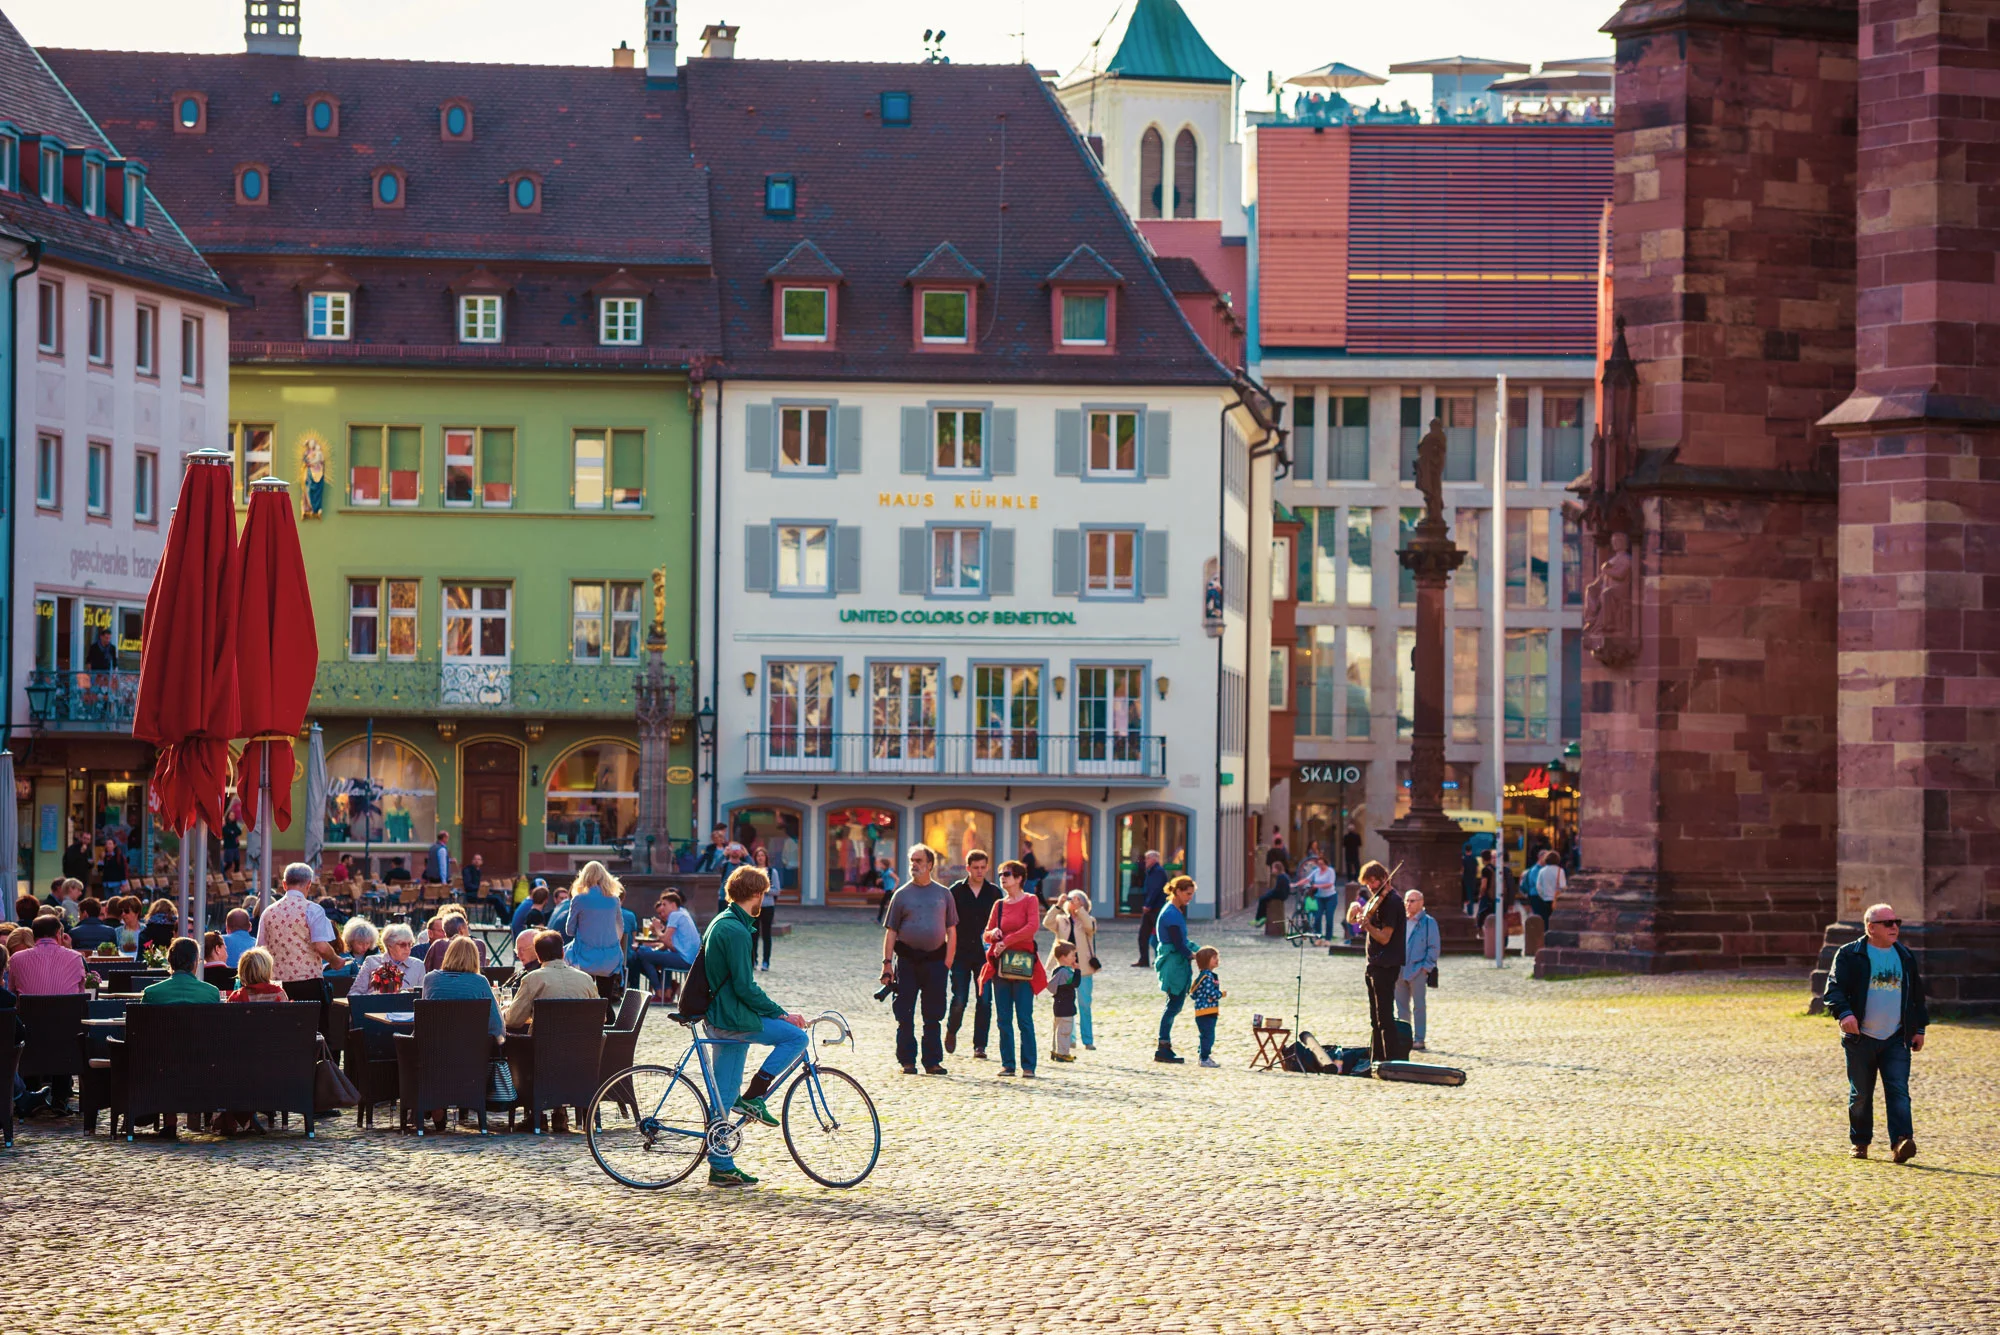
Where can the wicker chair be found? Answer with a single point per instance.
(10, 1065)
(55, 1037)
(369, 1050)
(561, 1070)
(621, 1046)
(444, 1065)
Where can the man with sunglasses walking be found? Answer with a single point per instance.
(1876, 993)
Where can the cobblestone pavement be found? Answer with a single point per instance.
(1627, 1155)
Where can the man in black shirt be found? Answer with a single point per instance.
(975, 897)
(1386, 926)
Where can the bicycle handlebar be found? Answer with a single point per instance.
(844, 1032)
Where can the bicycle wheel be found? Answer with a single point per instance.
(835, 1135)
(648, 1127)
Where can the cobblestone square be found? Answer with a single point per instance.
(1626, 1155)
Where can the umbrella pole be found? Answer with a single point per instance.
(181, 875)
(263, 824)
(199, 922)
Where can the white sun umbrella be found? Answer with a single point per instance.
(1335, 74)
(10, 833)
(1459, 66)
(314, 815)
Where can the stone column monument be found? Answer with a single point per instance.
(1426, 842)
(654, 704)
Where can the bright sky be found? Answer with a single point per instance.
(1288, 36)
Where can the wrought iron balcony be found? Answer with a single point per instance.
(520, 690)
(821, 755)
(61, 701)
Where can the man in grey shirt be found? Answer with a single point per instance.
(921, 931)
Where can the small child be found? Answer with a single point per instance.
(1062, 979)
(1207, 997)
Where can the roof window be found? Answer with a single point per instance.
(524, 193)
(388, 188)
(895, 108)
(10, 158)
(455, 120)
(323, 116)
(190, 113)
(780, 196)
(253, 184)
(49, 174)
(131, 181)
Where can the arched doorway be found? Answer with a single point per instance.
(490, 804)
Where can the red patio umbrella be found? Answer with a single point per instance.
(187, 705)
(277, 654)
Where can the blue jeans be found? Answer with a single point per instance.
(1014, 1004)
(1205, 1026)
(1865, 1058)
(1083, 1035)
(1174, 1004)
(1325, 916)
(787, 1042)
(655, 964)
(964, 980)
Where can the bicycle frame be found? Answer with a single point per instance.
(806, 1060)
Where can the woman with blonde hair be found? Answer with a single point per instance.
(254, 968)
(595, 929)
(459, 979)
(1069, 918)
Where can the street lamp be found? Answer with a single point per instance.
(704, 725)
(41, 697)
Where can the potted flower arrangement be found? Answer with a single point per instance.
(387, 977)
(153, 955)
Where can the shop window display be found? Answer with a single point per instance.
(593, 796)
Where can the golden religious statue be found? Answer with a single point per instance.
(659, 635)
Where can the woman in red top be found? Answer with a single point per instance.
(253, 977)
(1011, 929)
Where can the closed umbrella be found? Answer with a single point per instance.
(187, 705)
(277, 655)
(316, 795)
(10, 833)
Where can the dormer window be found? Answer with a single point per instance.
(1086, 320)
(1083, 303)
(329, 316)
(10, 158)
(945, 300)
(619, 321)
(895, 108)
(133, 185)
(947, 316)
(190, 113)
(780, 196)
(388, 188)
(479, 318)
(253, 184)
(51, 174)
(93, 187)
(805, 313)
(323, 116)
(455, 121)
(524, 193)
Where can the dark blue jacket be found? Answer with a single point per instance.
(1156, 890)
(1847, 986)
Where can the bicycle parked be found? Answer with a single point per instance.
(651, 1126)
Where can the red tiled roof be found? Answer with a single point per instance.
(805, 260)
(34, 101)
(989, 163)
(945, 265)
(611, 152)
(1185, 277)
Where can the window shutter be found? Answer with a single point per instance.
(1069, 563)
(496, 462)
(846, 559)
(759, 456)
(1000, 563)
(1069, 443)
(1000, 449)
(1303, 450)
(1159, 443)
(756, 558)
(916, 560)
(1155, 542)
(847, 441)
(628, 462)
(913, 440)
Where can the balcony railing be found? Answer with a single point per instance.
(538, 690)
(822, 755)
(61, 701)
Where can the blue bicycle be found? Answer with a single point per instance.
(650, 1126)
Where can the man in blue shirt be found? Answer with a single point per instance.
(1876, 993)
(239, 937)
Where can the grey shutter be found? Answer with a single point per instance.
(847, 441)
(1159, 443)
(916, 561)
(759, 453)
(914, 420)
(1069, 443)
(1000, 445)
(1154, 540)
(1303, 451)
(1000, 563)
(757, 558)
(846, 559)
(1069, 563)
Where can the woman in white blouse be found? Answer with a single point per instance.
(397, 942)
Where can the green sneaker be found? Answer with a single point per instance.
(754, 1108)
(730, 1177)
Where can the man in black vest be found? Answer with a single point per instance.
(975, 897)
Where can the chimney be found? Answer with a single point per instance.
(718, 41)
(621, 56)
(662, 38)
(271, 27)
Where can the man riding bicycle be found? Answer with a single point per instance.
(739, 1014)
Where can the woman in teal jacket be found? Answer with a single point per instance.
(1173, 961)
(739, 1014)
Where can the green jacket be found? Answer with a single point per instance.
(181, 988)
(738, 1004)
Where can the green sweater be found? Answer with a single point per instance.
(738, 1004)
(180, 988)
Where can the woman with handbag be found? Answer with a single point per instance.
(1173, 961)
(1069, 918)
(1014, 967)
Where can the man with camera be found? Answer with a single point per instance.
(1386, 926)
(920, 932)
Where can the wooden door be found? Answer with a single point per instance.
(492, 807)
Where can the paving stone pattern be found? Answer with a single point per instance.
(1630, 1154)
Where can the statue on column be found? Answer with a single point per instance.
(1430, 471)
(1608, 604)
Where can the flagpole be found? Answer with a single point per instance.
(1498, 735)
